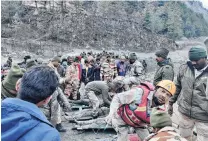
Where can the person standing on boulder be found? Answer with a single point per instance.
(192, 95)
(165, 67)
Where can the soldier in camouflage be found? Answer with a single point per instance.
(108, 70)
(72, 86)
(165, 70)
(53, 109)
(135, 71)
(162, 127)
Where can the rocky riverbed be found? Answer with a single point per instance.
(178, 57)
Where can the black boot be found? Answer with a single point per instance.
(60, 128)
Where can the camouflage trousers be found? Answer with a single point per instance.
(71, 89)
(52, 110)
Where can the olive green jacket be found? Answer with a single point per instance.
(164, 72)
(5, 93)
(192, 93)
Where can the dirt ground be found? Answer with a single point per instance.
(178, 57)
(87, 135)
(103, 135)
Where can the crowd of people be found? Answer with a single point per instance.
(36, 94)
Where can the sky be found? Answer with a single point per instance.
(205, 3)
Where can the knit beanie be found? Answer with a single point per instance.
(30, 63)
(159, 118)
(196, 53)
(162, 52)
(14, 74)
(133, 56)
(58, 59)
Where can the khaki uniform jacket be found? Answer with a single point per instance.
(164, 72)
(136, 69)
(192, 93)
(73, 73)
(99, 87)
(61, 80)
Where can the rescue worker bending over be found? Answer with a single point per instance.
(132, 108)
(98, 93)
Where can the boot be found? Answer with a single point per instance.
(60, 128)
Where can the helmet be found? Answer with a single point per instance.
(168, 85)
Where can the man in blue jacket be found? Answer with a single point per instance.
(21, 119)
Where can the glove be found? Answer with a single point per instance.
(170, 109)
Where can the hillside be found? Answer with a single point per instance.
(127, 25)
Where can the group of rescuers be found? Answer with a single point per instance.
(142, 105)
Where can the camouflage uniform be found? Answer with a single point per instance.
(165, 134)
(113, 67)
(108, 71)
(72, 87)
(134, 74)
(52, 110)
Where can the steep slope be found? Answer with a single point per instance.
(127, 25)
(198, 8)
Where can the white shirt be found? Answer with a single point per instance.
(198, 72)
